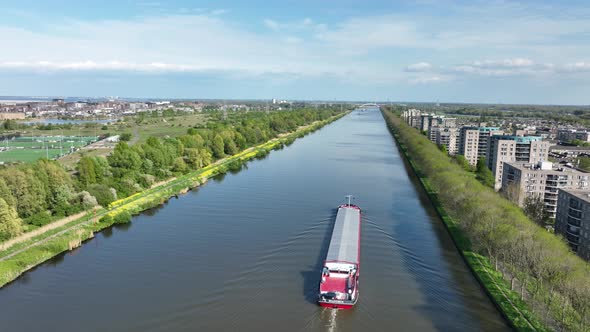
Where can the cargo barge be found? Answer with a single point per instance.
(340, 273)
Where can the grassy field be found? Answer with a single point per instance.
(141, 130)
(31, 148)
(69, 161)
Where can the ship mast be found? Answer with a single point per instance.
(349, 197)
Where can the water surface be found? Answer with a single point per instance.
(244, 253)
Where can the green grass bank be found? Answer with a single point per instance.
(508, 302)
(23, 256)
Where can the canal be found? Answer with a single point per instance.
(244, 253)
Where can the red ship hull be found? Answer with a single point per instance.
(335, 305)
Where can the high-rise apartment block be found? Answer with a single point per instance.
(573, 220)
(413, 117)
(473, 142)
(541, 179)
(448, 137)
(508, 148)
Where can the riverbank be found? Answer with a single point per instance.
(23, 256)
(508, 303)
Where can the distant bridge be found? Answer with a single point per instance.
(367, 106)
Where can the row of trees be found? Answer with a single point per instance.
(130, 169)
(557, 280)
(37, 193)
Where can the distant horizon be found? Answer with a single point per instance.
(127, 98)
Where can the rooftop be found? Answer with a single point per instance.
(569, 148)
(544, 167)
(581, 194)
(518, 139)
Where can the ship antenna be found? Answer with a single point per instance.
(349, 197)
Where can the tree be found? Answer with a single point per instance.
(218, 147)
(6, 194)
(10, 223)
(10, 124)
(463, 162)
(29, 193)
(230, 147)
(584, 163)
(103, 194)
(241, 141)
(511, 192)
(125, 137)
(124, 159)
(534, 208)
(86, 171)
(206, 156)
(179, 165)
(443, 149)
(484, 174)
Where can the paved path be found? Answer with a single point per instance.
(40, 230)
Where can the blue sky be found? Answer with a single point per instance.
(413, 50)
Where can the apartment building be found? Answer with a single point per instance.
(573, 220)
(412, 117)
(425, 122)
(437, 123)
(568, 135)
(508, 148)
(448, 137)
(473, 142)
(543, 180)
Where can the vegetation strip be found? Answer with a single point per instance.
(507, 301)
(37, 250)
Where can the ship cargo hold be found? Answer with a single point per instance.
(340, 273)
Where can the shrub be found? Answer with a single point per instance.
(103, 194)
(39, 219)
(125, 137)
(122, 218)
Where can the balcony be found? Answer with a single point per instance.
(573, 230)
(574, 222)
(575, 209)
(574, 214)
(574, 239)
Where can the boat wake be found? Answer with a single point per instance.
(331, 319)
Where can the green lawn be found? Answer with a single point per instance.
(27, 155)
(29, 149)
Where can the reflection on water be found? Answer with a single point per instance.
(244, 253)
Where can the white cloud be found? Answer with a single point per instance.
(505, 67)
(98, 66)
(271, 24)
(577, 67)
(506, 63)
(219, 12)
(497, 68)
(419, 67)
(357, 48)
(429, 79)
(369, 33)
(182, 42)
